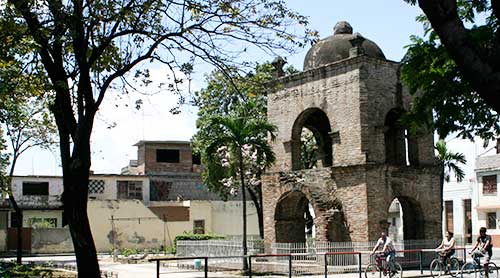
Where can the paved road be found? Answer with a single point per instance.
(149, 269)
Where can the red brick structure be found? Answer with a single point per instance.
(350, 97)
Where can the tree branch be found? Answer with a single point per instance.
(445, 20)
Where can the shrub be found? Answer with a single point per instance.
(10, 269)
(192, 236)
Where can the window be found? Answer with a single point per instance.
(159, 190)
(449, 215)
(36, 188)
(129, 189)
(492, 220)
(170, 156)
(199, 226)
(490, 185)
(196, 159)
(96, 186)
(468, 220)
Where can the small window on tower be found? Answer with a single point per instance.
(169, 156)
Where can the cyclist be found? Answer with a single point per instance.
(447, 247)
(484, 249)
(388, 250)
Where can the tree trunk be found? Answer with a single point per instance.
(76, 167)
(18, 214)
(75, 215)
(441, 186)
(257, 201)
(244, 200)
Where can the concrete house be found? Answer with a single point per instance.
(155, 198)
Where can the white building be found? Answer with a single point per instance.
(487, 200)
(457, 212)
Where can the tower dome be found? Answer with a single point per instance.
(337, 47)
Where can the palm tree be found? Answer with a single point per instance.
(244, 140)
(450, 163)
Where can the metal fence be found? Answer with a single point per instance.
(308, 258)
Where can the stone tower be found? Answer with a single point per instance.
(350, 98)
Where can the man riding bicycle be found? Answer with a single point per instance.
(485, 249)
(388, 250)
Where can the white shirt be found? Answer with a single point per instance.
(448, 243)
(387, 244)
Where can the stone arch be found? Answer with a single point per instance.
(394, 138)
(289, 217)
(412, 219)
(401, 147)
(318, 123)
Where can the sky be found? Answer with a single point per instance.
(118, 125)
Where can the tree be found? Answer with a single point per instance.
(475, 50)
(241, 143)
(454, 71)
(24, 115)
(87, 47)
(450, 162)
(223, 93)
(308, 149)
(28, 124)
(220, 98)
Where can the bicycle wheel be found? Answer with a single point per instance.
(453, 266)
(468, 270)
(492, 271)
(372, 271)
(397, 272)
(436, 268)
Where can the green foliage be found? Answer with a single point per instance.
(10, 269)
(308, 149)
(222, 97)
(129, 251)
(450, 161)
(445, 100)
(192, 236)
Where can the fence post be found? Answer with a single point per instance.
(465, 255)
(326, 266)
(206, 267)
(158, 269)
(250, 266)
(420, 262)
(290, 266)
(359, 264)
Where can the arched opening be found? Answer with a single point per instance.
(294, 218)
(394, 138)
(401, 148)
(311, 141)
(405, 219)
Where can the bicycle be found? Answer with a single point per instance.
(374, 270)
(443, 265)
(475, 269)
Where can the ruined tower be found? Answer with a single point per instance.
(349, 97)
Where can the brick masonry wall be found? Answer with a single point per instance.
(152, 167)
(362, 194)
(350, 199)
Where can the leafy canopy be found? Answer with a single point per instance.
(447, 98)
